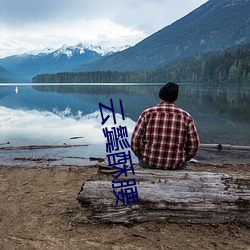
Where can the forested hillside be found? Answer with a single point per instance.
(214, 26)
(229, 66)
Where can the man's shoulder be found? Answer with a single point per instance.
(150, 110)
(166, 108)
(178, 109)
(184, 113)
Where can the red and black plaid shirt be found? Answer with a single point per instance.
(165, 136)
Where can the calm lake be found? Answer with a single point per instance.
(56, 114)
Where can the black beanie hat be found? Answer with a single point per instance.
(169, 92)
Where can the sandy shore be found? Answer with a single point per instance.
(38, 210)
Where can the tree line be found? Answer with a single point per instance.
(231, 66)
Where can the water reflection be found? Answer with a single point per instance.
(227, 101)
(54, 113)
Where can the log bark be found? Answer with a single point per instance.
(170, 196)
(224, 147)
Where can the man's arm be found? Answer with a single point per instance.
(138, 136)
(193, 141)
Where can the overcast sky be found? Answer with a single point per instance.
(27, 25)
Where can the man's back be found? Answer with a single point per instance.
(165, 136)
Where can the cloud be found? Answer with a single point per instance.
(37, 23)
(142, 14)
(38, 36)
(22, 12)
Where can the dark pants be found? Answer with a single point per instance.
(145, 165)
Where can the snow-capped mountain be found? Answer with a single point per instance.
(81, 48)
(49, 60)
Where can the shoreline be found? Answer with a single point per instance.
(65, 155)
(95, 161)
(39, 210)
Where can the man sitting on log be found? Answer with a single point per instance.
(165, 136)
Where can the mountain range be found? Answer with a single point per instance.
(214, 26)
(64, 59)
(7, 76)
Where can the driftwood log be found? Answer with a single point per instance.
(224, 147)
(185, 196)
(30, 147)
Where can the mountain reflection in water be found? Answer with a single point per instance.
(50, 114)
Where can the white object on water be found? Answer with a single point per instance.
(16, 90)
(193, 160)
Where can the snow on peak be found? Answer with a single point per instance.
(40, 51)
(81, 48)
